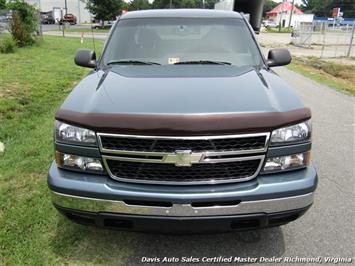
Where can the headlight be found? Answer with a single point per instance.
(292, 134)
(75, 162)
(289, 162)
(74, 135)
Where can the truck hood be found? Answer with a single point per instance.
(117, 100)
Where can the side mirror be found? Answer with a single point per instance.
(85, 58)
(278, 57)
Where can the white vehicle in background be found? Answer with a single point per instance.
(105, 25)
(270, 24)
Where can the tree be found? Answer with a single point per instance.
(105, 9)
(346, 6)
(18, 31)
(210, 4)
(318, 7)
(139, 4)
(324, 7)
(162, 4)
(2, 4)
(23, 25)
(269, 5)
(308, 5)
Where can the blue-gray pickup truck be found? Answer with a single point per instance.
(182, 126)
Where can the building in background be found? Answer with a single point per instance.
(75, 7)
(288, 15)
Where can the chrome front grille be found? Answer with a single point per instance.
(183, 160)
(195, 173)
(171, 145)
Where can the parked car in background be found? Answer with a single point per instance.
(104, 25)
(270, 24)
(68, 18)
(47, 17)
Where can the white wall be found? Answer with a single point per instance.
(76, 7)
(296, 19)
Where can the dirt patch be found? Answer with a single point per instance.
(335, 68)
(332, 73)
(341, 61)
(15, 90)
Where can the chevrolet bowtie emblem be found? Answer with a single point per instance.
(183, 158)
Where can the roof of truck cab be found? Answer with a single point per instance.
(178, 13)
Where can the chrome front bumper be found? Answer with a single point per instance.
(95, 205)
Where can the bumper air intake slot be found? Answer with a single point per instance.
(120, 224)
(143, 203)
(215, 204)
(80, 218)
(282, 218)
(244, 224)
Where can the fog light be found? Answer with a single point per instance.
(286, 163)
(75, 162)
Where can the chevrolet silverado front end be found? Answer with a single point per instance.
(182, 126)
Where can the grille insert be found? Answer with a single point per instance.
(183, 160)
(171, 173)
(171, 145)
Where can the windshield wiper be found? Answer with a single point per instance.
(202, 62)
(131, 62)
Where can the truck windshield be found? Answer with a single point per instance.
(163, 41)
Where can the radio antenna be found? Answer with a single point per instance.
(93, 37)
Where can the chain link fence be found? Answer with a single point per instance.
(327, 40)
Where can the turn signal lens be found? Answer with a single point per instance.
(286, 163)
(79, 163)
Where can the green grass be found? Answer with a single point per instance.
(277, 30)
(85, 30)
(33, 83)
(338, 76)
(89, 30)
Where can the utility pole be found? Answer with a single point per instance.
(39, 18)
(351, 40)
(293, 6)
(79, 13)
(66, 7)
(62, 20)
(171, 4)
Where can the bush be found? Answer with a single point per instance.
(7, 45)
(19, 32)
(277, 30)
(38, 40)
(23, 25)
